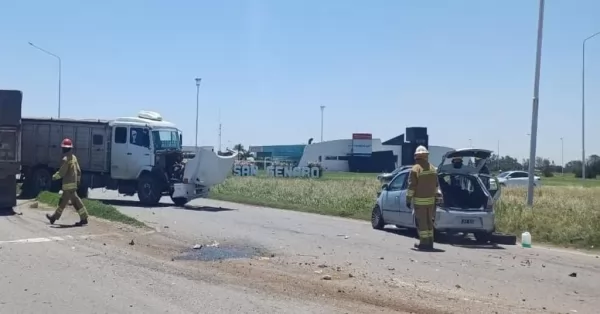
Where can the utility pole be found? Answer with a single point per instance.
(220, 128)
(59, 70)
(498, 152)
(562, 157)
(535, 106)
(322, 110)
(583, 104)
(198, 80)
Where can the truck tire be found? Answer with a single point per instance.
(41, 180)
(148, 190)
(83, 191)
(179, 201)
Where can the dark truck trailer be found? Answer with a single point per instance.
(10, 146)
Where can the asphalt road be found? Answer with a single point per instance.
(94, 269)
(464, 277)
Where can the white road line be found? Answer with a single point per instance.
(55, 239)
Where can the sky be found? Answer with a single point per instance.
(462, 68)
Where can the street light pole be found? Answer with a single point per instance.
(534, 115)
(198, 80)
(59, 70)
(498, 153)
(322, 111)
(470, 143)
(562, 157)
(583, 104)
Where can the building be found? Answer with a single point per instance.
(362, 153)
(192, 149)
(286, 153)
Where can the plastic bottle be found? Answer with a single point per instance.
(526, 239)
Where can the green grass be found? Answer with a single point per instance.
(94, 208)
(563, 213)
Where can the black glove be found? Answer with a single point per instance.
(408, 204)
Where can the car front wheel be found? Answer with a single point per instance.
(377, 218)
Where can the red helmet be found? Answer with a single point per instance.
(66, 143)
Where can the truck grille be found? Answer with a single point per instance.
(8, 146)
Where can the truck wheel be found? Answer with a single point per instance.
(179, 201)
(148, 190)
(40, 181)
(83, 191)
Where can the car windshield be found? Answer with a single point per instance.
(503, 174)
(166, 139)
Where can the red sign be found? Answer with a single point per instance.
(362, 136)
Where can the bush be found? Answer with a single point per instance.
(561, 215)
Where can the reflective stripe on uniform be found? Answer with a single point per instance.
(426, 172)
(56, 176)
(410, 193)
(423, 234)
(424, 200)
(69, 186)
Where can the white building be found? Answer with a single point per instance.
(333, 155)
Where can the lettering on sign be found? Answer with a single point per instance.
(245, 170)
(293, 172)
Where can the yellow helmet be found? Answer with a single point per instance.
(421, 150)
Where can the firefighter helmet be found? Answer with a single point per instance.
(66, 143)
(421, 150)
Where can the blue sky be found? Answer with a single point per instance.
(464, 69)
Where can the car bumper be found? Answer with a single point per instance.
(188, 191)
(461, 221)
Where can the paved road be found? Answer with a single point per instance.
(471, 278)
(95, 270)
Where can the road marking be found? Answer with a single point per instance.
(55, 239)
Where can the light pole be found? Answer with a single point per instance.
(498, 153)
(534, 114)
(470, 143)
(562, 157)
(198, 80)
(583, 104)
(59, 70)
(322, 111)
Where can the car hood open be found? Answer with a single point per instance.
(447, 167)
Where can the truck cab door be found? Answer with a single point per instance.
(139, 153)
(119, 158)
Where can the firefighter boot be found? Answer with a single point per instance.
(83, 217)
(81, 222)
(51, 218)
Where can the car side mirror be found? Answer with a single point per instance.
(384, 186)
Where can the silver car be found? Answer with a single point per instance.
(465, 203)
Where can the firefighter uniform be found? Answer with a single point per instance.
(422, 191)
(70, 173)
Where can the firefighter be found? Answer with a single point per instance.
(70, 173)
(422, 191)
(457, 162)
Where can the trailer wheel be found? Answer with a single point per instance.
(83, 191)
(148, 190)
(41, 180)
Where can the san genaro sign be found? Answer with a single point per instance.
(277, 171)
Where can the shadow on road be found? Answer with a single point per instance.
(459, 240)
(128, 203)
(63, 226)
(4, 212)
(208, 208)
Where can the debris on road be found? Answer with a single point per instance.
(326, 277)
(197, 246)
(573, 275)
(131, 242)
(214, 244)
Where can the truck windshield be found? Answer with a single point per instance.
(166, 139)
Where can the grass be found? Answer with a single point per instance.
(563, 214)
(94, 208)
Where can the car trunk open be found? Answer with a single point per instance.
(462, 192)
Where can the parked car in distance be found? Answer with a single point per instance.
(465, 204)
(387, 177)
(516, 178)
